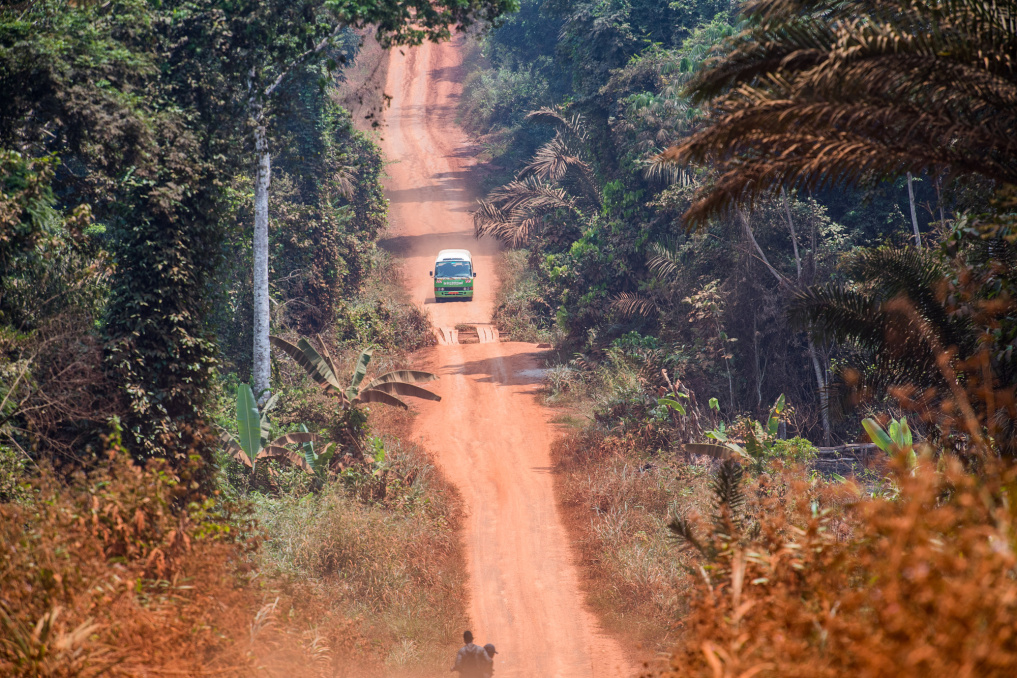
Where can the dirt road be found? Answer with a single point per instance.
(490, 434)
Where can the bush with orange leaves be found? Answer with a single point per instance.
(115, 573)
(921, 583)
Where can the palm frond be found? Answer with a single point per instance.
(728, 500)
(515, 211)
(629, 304)
(829, 93)
(665, 262)
(561, 162)
(569, 125)
(683, 532)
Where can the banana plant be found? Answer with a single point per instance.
(895, 440)
(670, 400)
(383, 389)
(253, 429)
(311, 461)
(757, 446)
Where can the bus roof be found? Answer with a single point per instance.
(453, 255)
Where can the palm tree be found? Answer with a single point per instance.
(840, 92)
(893, 313)
(558, 179)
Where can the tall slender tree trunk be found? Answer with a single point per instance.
(939, 199)
(821, 381)
(824, 393)
(261, 370)
(914, 216)
(794, 236)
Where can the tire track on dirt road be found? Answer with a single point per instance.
(490, 434)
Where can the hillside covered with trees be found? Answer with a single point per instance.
(576, 102)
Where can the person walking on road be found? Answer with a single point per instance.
(472, 660)
(489, 649)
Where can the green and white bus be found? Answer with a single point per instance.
(453, 275)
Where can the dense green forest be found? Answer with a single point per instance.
(732, 218)
(136, 139)
(575, 101)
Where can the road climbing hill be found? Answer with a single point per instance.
(490, 433)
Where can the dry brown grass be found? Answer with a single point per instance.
(917, 584)
(616, 502)
(106, 574)
(380, 547)
(114, 573)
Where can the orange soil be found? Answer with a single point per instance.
(490, 434)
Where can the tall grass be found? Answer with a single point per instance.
(107, 574)
(388, 558)
(616, 501)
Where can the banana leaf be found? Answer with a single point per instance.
(234, 450)
(404, 376)
(672, 403)
(877, 435)
(711, 450)
(304, 354)
(294, 438)
(276, 452)
(773, 424)
(373, 395)
(359, 372)
(321, 366)
(327, 356)
(248, 422)
(404, 389)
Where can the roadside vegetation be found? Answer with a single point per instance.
(158, 516)
(747, 234)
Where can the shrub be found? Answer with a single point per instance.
(921, 584)
(108, 574)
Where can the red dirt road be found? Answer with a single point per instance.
(489, 434)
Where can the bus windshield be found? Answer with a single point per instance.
(452, 269)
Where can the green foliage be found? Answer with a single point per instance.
(759, 445)
(254, 430)
(14, 485)
(895, 440)
(795, 450)
(43, 249)
(385, 388)
(317, 463)
(622, 261)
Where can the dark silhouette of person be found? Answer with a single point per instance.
(489, 648)
(472, 661)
